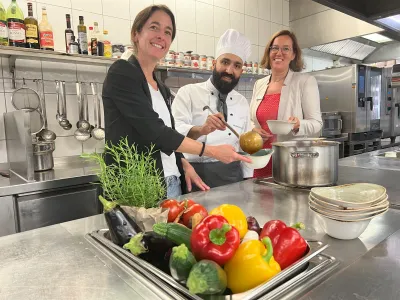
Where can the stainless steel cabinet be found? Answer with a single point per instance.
(44, 208)
(8, 224)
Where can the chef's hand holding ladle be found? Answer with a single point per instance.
(250, 142)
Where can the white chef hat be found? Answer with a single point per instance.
(232, 41)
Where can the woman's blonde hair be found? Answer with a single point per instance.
(296, 64)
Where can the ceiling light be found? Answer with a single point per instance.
(392, 22)
(377, 38)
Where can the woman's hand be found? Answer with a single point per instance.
(297, 123)
(264, 134)
(225, 154)
(192, 177)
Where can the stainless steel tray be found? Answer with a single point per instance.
(314, 265)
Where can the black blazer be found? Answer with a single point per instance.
(128, 112)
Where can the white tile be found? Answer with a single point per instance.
(89, 19)
(206, 1)
(62, 3)
(121, 10)
(92, 145)
(285, 27)
(251, 7)
(3, 152)
(222, 3)
(89, 73)
(237, 21)
(138, 5)
(6, 67)
(237, 5)
(275, 28)
(264, 32)
(70, 87)
(28, 69)
(251, 29)
(174, 45)
(56, 16)
(221, 21)
(204, 19)
(264, 9)
(93, 6)
(67, 146)
(2, 111)
(285, 13)
(276, 11)
(170, 3)
(261, 50)
(187, 41)
(59, 71)
(118, 30)
(186, 15)
(254, 53)
(205, 45)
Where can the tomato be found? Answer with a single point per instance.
(187, 216)
(175, 208)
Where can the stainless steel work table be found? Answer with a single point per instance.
(57, 262)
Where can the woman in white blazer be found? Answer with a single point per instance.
(286, 94)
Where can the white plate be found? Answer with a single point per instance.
(351, 195)
(335, 208)
(353, 220)
(348, 217)
(259, 159)
(280, 127)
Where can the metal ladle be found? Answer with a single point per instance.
(97, 132)
(45, 134)
(61, 98)
(82, 134)
(250, 141)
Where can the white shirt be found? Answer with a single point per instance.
(187, 109)
(160, 107)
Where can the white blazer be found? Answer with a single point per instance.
(299, 98)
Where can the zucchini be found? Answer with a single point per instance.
(207, 278)
(177, 233)
(181, 262)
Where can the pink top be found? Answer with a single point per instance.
(267, 110)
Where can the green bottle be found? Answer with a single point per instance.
(16, 25)
(3, 26)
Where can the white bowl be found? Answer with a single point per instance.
(343, 230)
(336, 208)
(349, 217)
(351, 195)
(259, 159)
(280, 127)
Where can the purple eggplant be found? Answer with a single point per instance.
(121, 226)
(252, 224)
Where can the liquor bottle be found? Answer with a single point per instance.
(73, 47)
(82, 36)
(32, 31)
(94, 39)
(3, 26)
(46, 32)
(107, 44)
(68, 33)
(16, 26)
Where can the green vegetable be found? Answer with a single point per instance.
(180, 263)
(177, 233)
(206, 277)
(133, 179)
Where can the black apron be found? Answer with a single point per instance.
(217, 173)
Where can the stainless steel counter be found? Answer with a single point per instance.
(57, 262)
(373, 160)
(67, 171)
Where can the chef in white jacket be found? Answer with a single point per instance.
(191, 120)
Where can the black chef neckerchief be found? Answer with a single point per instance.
(222, 107)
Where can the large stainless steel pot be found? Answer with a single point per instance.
(307, 163)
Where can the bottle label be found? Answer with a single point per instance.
(93, 46)
(3, 30)
(68, 36)
(16, 31)
(73, 49)
(46, 39)
(83, 41)
(31, 31)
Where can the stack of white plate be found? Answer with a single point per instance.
(345, 211)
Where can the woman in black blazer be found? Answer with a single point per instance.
(131, 111)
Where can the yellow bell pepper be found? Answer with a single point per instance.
(234, 215)
(252, 265)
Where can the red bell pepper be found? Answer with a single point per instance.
(288, 244)
(214, 239)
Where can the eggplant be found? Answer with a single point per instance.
(121, 226)
(252, 224)
(153, 248)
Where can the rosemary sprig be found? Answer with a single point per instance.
(133, 179)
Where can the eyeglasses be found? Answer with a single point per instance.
(275, 49)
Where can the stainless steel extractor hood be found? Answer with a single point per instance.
(382, 13)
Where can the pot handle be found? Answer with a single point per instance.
(304, 154)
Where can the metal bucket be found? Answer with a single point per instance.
(43, 156)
